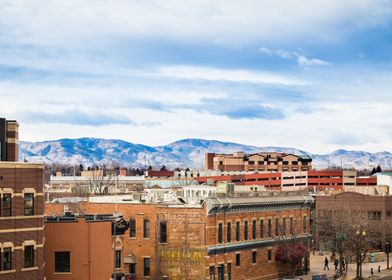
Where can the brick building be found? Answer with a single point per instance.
(9, 140)
(231, 238)
(270, 162)
(331, 179)
(377, 207)
(21, 211)
(82, 248)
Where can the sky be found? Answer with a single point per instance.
(314, 75)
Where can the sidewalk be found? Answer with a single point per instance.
(317, 268)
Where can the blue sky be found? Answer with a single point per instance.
(314, 75)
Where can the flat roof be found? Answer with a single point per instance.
(17, 164)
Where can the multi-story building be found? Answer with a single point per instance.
(269, 162)
(331, 179)
(21, 211)
(271, 181)
(234, 238)
(378, 208)
(86, 247)
(9, 140)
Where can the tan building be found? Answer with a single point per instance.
(261, 162)
(82, 248)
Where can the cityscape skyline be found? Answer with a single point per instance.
(314, 78)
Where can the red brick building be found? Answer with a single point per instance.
(271, 181)
(232, 238)
(377, 207)
(21, 211)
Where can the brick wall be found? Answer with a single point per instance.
(18, 230)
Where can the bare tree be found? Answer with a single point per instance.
(293, 247)
(101, 183)
(349, 232)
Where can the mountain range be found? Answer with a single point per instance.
(183, 153)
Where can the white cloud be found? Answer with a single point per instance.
(301, 59)
(80, 22)
(279, 52)
(304, 61)
(216, 74)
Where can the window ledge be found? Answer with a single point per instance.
(29, 268)
(62, 273)
(8, 271)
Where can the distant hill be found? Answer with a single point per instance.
(182, 153)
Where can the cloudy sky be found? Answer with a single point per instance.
(315, 75)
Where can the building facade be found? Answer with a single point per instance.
(267, 162)
(378, 208)
(21, 211)
(82, 248)
(233, 238)
(9, 138)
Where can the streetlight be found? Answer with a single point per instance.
(360, 237)
(388, 251)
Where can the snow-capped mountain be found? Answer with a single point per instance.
(182, 153)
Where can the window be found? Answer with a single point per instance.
(163, 232)
(261, 228)
(132, 268)
(374, 215)
(305, 225)
(228, 232)
(291, 226)
(132, 228)
(220, 233)
(254, 229)
(229, 271)
(284, 227)
(237, 259)
(146, 266)
(6, 205)
(118, 258)
(146, 228)
(221, 272)
(212, 272)
(246, 230)
(28, 256)
(28, 204)
(7, 259)
(276, 226)
(254, 257)
(62, 262)
(237, 231)
(269, 252)
(269, 229)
